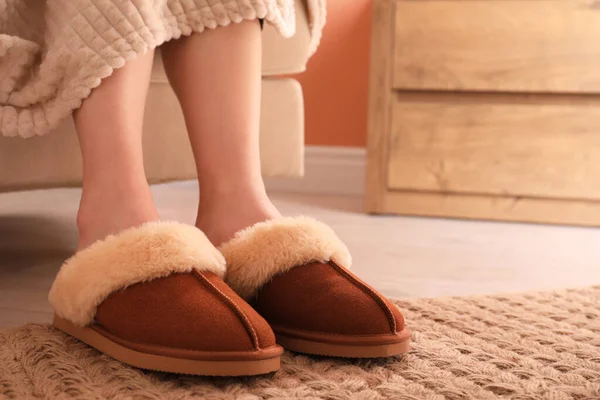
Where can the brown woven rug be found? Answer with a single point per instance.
(533, 346)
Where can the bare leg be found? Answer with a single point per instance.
(115, 195)
(217, 78)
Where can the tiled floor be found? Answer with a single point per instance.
(403, 257)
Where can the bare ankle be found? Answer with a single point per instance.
(220, 217)
(103, 213)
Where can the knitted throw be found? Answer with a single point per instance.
(54, 52)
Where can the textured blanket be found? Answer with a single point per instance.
(54, 52)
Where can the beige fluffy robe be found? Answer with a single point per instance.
(54, 52)
(258, 253)
(153, 250)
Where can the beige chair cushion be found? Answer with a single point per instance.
(54, 160)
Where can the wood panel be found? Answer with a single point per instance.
(509, 45)
(534, 146)
(380, 103)
(545, 211)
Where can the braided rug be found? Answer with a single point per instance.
(530, 346)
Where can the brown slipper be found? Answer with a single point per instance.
(294, 272)
(152, 297)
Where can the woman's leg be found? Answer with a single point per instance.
(217, 78)
(115, 195)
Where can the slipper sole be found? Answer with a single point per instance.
(310, 346)
(157, 362)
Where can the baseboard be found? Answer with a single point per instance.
(328, 170)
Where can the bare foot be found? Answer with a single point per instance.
(107, 211)
(220, 216)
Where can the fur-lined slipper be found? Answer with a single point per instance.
(153, 297)
(294, 272)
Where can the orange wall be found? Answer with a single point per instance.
(336, 81)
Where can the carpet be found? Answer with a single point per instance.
(530, 346)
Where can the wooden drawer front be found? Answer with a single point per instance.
(534, 146)
(498, 45)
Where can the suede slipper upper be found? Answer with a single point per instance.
(153, 297)
(295, 273)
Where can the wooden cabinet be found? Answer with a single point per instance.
(486, 109)
(540, 46)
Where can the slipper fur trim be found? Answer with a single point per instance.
(150, 251)
(258, 253)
